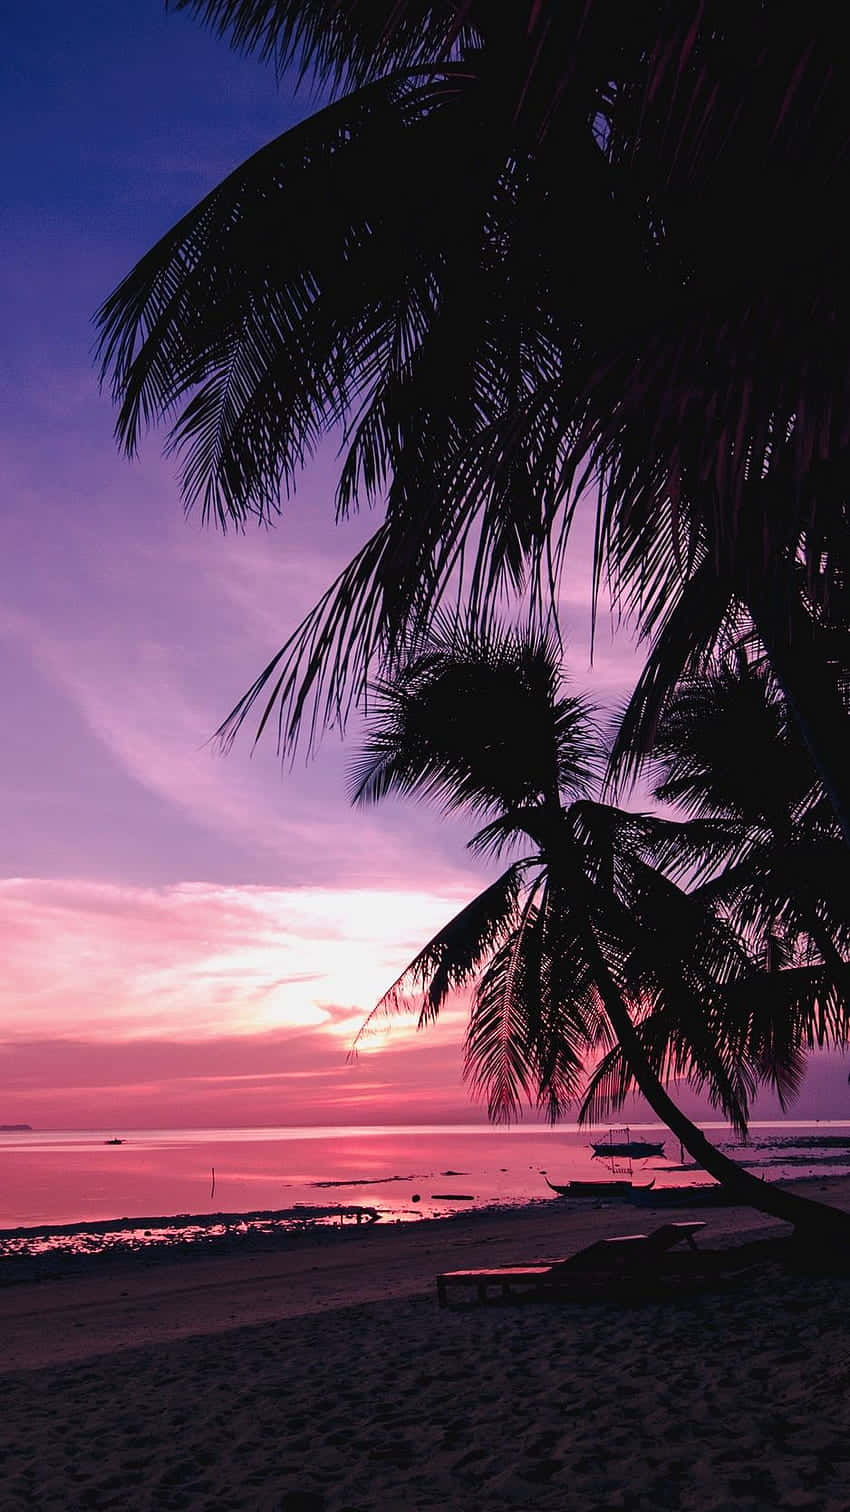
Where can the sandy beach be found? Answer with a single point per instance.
(325, 1379)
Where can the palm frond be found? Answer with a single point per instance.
(499, 1047)
(281, 299)
(725, 746)
(342, 45)
(408, 269)
(675, 1056)
(523, 1044)
(478, 722)
(453, 958)
(323, 668)
(795, 1008)
(696, 611)
(609, 1084)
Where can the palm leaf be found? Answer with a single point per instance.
(409, 268)
(340, 44)
(477, 723)
(696, 612)
(521, 1044)
(725, 746)
(498, 1053)
(283, 298)
(453, 957)
(799, 1007)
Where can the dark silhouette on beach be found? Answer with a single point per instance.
(619, 950)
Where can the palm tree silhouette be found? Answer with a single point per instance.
(585, 944)
(725, 750)
(726, 753)
(527, 249)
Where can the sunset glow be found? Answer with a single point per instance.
(185, 934)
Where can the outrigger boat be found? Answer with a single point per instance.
(625, 1145)
(598, 1188)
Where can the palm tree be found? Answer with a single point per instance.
(726, 753)
(526, 248)
(584, 939)
(725, 750)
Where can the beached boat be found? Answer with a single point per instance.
(596, 1188)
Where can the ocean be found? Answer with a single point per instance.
(198, 1181)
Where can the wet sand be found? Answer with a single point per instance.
(325, 1379)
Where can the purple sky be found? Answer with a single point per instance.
(187, 938)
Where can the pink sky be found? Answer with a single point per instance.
(187, 939)
(190, 937)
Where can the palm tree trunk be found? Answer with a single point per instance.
(802, 1212)
(810, 689)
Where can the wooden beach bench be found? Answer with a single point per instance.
(625, 1254)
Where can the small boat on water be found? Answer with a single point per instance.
(597, 1188)
(638, 1147)
(620, 1142)
(113, 1141)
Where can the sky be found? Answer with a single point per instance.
(188, 938)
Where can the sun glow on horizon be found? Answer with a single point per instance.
(200, 960)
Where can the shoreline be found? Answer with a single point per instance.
(316, 1222)
(105, 1302)
(323, 1377)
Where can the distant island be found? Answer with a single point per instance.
(15, 1128)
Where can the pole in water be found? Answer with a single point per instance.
(212, 1188)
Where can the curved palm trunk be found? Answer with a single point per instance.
(802, 1212)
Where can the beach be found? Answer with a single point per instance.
(324, 1378)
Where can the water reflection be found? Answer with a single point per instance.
(60, 1193)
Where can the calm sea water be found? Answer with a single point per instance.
(55, 1177)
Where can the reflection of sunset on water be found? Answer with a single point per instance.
(270, 1183)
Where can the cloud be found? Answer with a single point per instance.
(203, 1005)
(200, 961)
(150, 636)
(139, 700)
(233, 1081)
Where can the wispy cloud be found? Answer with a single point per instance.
(140, 697)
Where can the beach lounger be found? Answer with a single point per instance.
(625, 1254)
(669, 1234)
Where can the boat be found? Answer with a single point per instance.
(637, 1147)
(597, 1188)
(619, 1142)
(113, 1141)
